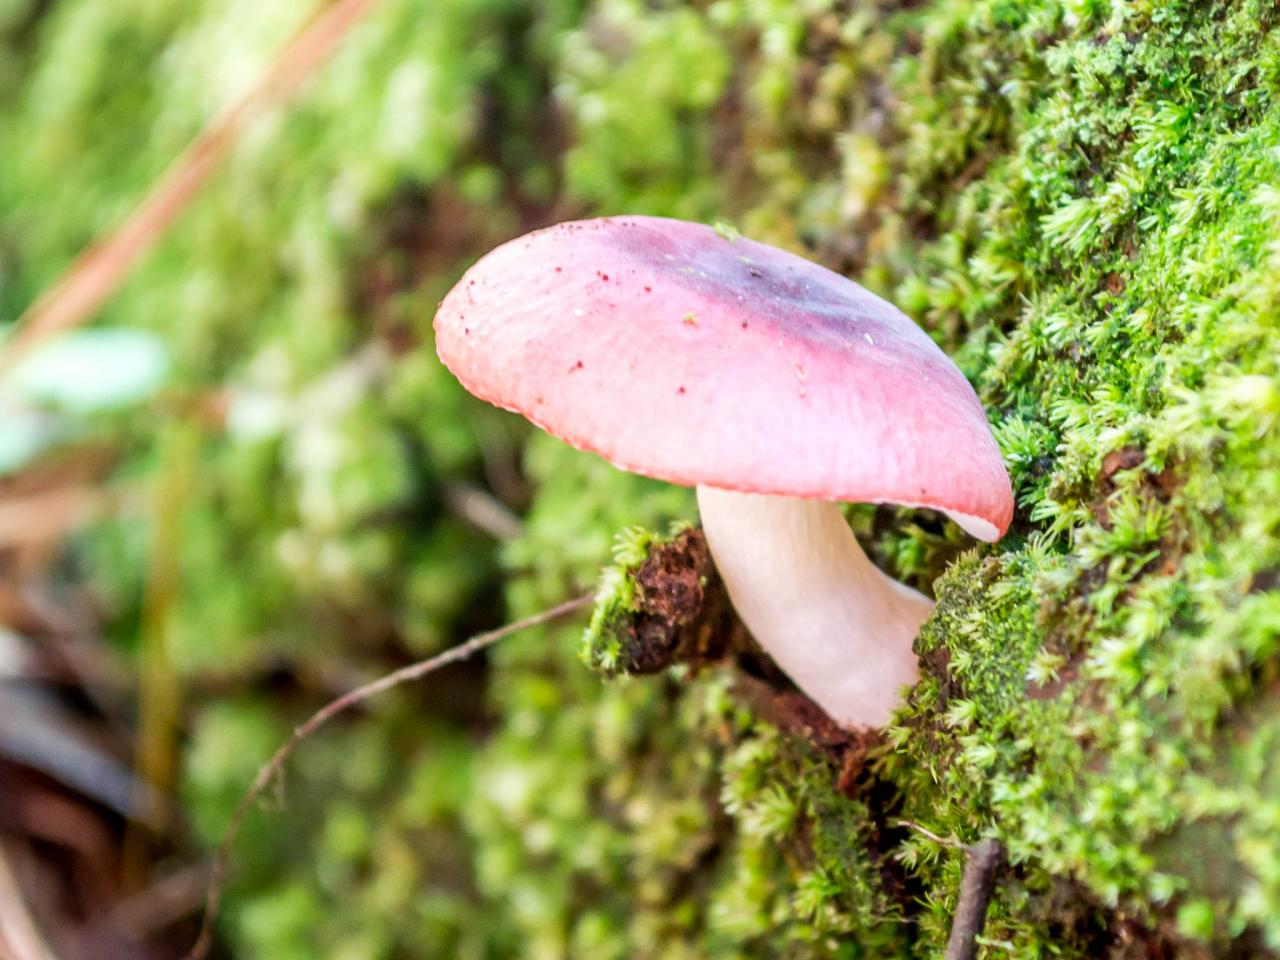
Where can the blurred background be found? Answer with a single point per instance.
(245, 484)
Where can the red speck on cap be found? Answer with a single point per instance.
(882, 409)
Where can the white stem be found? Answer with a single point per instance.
(840, 628)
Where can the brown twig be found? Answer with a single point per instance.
(94, 276)
(983, 862)
(271, 769)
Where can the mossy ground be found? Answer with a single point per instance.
(1077, 199)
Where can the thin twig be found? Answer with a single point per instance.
(271, 770)
(951, 842)
(94, 276)
(982, 864)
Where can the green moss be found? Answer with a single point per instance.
(616, 600)
(1076, 199)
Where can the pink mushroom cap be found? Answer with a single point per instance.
(681, 354)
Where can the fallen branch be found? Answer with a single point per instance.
(94, 276)
(271, 770)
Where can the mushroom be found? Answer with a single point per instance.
(774, 386)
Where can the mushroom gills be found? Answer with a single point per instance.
(838, 626)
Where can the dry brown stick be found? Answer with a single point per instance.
(18, 928)
(982, 864)
(94, 276)
(271, 769)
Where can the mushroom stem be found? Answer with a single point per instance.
(840, 628)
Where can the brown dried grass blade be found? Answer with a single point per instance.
(96, 274)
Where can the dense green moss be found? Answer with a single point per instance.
(1077, 199)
